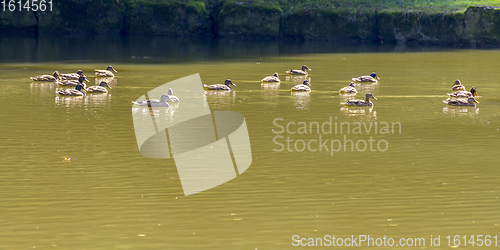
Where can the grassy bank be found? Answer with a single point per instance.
(427, 21)
(370, 5)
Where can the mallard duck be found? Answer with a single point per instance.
(349, 89)
(361, 103)
(77, 91)
(73, 76)
(372, 78)
(106, 72)
(154, 102)
(171, 96)
(73, 83)
(298, 71)
(274, 78)
(224, 87)
(305, 86)
(464, 94)
(99, 89)
(471, 101)
(458, 85)
(47, 78)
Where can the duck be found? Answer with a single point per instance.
(105, 72)
(224, 87)
(298, 71)
(349, 89)
(275, 78)
(77, 91)
(56, 76)
(99, 89)
(73, 83)
(362, 103)
(458, 85)
(372, 78)
(464, 94)
(171, 96)
(305, 86)
(73, 76)
(471, 101)
(154, 102)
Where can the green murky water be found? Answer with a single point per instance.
(435, 173)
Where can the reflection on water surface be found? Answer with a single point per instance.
(436, 177)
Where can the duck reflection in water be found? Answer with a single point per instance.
(453, 111)
(301, 100)
(368, 112)
(42, 88)
(270, 93)
(220, 99)
(296, 79)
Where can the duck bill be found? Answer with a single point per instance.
(377, 78)
(374, 97)
(109, 87)
(114, 70)
(476, 102)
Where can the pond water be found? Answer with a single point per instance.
(425, 170)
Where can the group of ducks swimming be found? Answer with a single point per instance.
(306, 86)
(77, 80)
(461, 97)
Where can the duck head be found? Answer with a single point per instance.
(82, 78)
(306, 82)
(352, 84)
(80, 88)
(229, 82)
(105, 84)
(110, 68)
(369, 96)
(304, 68)
(472, 100)
(170, 91)
(473, 91)
(374, 75)
(457, 82)
(276, 74)
(57, 75)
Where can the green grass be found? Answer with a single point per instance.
(352, 5)
(366, 5)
